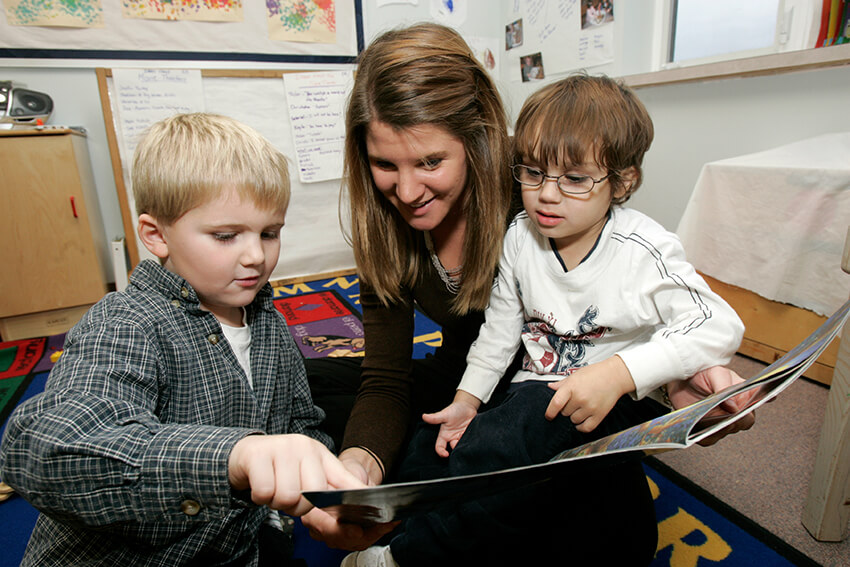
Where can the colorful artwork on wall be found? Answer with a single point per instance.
(63, 13)
(302, 20)
(194, 10)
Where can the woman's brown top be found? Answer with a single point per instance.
(385, 406)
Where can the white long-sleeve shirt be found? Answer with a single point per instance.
(635, 296)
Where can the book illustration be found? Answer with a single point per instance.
(676, 430)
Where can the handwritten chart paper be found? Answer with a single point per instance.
(67, 13)
(145, 96)
(316, 115)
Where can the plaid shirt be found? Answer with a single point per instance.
(126, 451)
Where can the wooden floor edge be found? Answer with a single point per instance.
(301, 279)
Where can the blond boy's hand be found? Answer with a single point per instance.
(453, 420)
(588, 394)
(277, 468)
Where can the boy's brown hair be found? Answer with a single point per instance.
(582, 118)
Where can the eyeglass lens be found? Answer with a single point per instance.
(532, 177)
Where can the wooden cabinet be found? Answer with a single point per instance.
(773, 328)
(53, 245)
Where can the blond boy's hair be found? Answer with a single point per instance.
(583, 117)
(187, 160)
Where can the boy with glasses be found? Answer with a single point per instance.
(601, 297)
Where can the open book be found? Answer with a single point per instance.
(675, 430)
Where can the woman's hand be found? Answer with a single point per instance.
(325, 528)
(686, 392)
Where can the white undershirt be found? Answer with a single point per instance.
(240, 341)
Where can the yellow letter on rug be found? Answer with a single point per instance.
(675, 529)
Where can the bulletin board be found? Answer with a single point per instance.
(315, 31)
(312, 241)
(544, 38)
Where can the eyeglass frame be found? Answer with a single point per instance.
(556, 178)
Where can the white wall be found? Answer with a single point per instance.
(695, 123)
(700, 122)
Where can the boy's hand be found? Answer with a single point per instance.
(588, 394)
(277, 468)
(454, 420)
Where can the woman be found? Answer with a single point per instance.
(427, 170)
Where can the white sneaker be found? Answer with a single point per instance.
(372, 557)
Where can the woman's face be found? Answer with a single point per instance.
(421, 170)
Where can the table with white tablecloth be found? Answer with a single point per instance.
(770, 228)
(774, 222)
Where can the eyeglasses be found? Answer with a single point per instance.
(568, 183)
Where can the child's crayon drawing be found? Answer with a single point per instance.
(195, 10)
(302, 20)
(65, 13)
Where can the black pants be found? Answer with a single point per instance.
(276, 548)
(600, 512)
(596, 515)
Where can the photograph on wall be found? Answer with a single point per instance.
(532, 67)
(189, 10)
(60, 13)
(513, 34)
(596, 13)
(312, 21)
(558, 31)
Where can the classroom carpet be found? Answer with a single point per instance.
(695, 529)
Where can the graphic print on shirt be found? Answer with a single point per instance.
(547, 352)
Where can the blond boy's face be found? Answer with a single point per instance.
(226, 249)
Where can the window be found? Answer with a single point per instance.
(706, 31)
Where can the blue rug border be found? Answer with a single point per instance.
(769, 539)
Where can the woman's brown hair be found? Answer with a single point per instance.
(427, 74)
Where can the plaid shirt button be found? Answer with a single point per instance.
(190, 507)
(213, 339)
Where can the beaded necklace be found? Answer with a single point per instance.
(451, 278)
